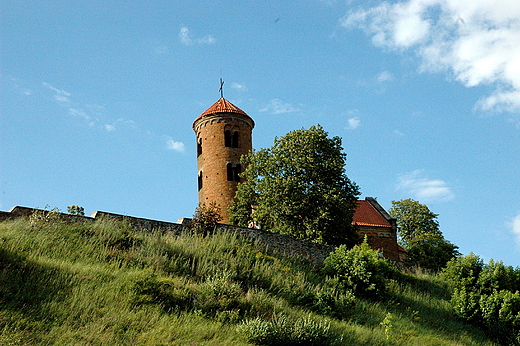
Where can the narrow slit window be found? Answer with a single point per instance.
(227, 138)
(233, 172)
(234, 142)
(200, 180)
(199, 147)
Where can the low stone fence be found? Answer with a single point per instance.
(283, 244)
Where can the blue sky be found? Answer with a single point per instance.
(98, 99)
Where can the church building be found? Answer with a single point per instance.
(224, 134)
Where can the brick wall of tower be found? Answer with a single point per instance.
(215, 156)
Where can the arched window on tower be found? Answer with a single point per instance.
(199, 147)
(231, 139)
(227, 138)
(199, 180)
(233, 171)
(234, 142)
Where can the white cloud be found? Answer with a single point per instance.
(353, 123)
(515, 227)
(399, 133)
(60, 96)
(476, 41)
(109, 128)
(276, 106)
(175, 146)
(425, 189)
(239, 87)
(187, 39)
(95, 117)
(384, 76)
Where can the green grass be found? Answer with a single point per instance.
(105, 284)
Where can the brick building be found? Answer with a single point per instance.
(379, 227)
(224, 134)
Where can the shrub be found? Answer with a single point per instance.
(170, 293)
(44, 218)
(486, 295)
(76, 210)
(465, 302)
(464, 271)
(206, 218)
(501, 314)
(282, 330)
(327, 300)
(359, 269)
(219, 293)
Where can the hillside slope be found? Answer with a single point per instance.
(105, 284)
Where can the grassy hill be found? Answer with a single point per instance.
(105, 284)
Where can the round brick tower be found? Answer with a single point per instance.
(224, 134)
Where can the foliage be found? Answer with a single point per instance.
(42, 218)
(76, 210)
(388, 324)
(360, 269)
(105, 283)
(299, 187)
(413, 219)
(206, 218)
(281, 331)
(431, 250)
(419, 233)
(487, 295)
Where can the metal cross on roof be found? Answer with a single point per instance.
(221, 89)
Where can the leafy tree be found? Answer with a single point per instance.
(206, 218)
(299, 187)
(431, 250)
(413, 219)
(419, 233)
(76, 210)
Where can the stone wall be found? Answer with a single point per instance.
(279, 243)
(215, 156)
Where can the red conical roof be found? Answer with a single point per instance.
(222, 106)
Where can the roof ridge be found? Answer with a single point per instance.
(222, 106)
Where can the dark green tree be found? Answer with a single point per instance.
(413, 219)
(76, 210)
(299, 187)
(206, 218)
(419, 233)
(431, 250)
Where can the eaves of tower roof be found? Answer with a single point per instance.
(366, 215)
(222, 106)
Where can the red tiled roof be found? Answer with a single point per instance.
(222, 106)
(366, 215)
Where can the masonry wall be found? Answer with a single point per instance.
(383, 239)
(283, 244)
(215, 156)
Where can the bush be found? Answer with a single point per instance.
(284, 331)
(464, 271)
(170, 293)
(76, 210)
(219, 293)
(486, 295)
(360, 269)
(206, 218)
